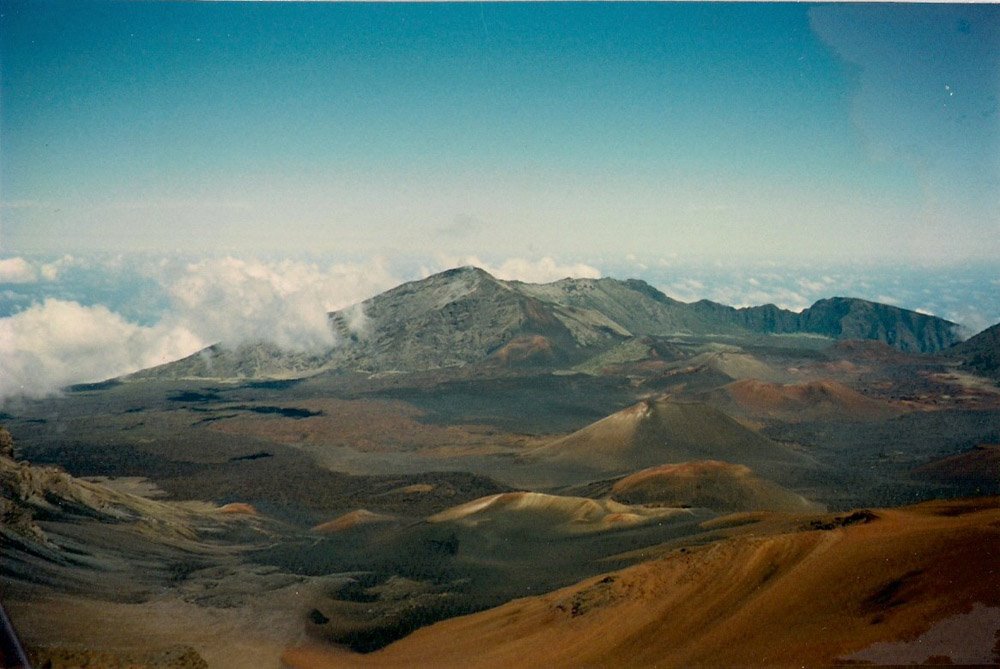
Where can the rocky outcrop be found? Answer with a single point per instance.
(31, 494)
(850, 318)
(846, 318)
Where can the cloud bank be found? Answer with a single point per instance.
(60, 339)
(17, 270)
(86, 319)
(58, 342)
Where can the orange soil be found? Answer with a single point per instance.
(541, 513)
(653, 432)
(351, 520)
(788, 598)
(807, 399)
(523, 349)
(686, 469)
(238, 507)
(714, 484)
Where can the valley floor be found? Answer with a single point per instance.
(673, 502)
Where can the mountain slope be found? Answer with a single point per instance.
(881, 589)
(633, 305)
(845, 318)
(976, 470)
(981, 354)
(797, 402)
(465, 316)
(711, 484)
(541, 514)
(656, 432)
(455, 318)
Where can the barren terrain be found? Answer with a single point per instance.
(571, 489)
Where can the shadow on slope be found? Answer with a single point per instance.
(776, 593)
(661, 431)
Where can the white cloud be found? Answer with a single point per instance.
(52, 270)
(737, 292)
(231, 301)
(811, 286)
(17, 270)
(781, 297)
(970, 319)
(543, 270)
(634, 261)
(58, 342)
(686, 290)
(22, 270)
(227, 300)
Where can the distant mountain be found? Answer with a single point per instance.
(846, 318)
(465, 316)
(981, 353)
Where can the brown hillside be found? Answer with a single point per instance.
(778, 598)
(654, 432)
(980, 466)
(806, 401)
(711, 484)
(540, 513)
(351, 520)
(738, 365)
(526, 350)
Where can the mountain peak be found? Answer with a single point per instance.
(463, 271)
(465, 315)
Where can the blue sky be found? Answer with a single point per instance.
(732, 131)
(178, 174)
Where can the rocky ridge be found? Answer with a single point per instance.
(466, 316)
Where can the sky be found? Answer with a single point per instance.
(162, 164)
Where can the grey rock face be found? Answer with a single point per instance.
(846, 318)
(465, 315)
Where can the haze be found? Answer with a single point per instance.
(176, 174)
(521, 130)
